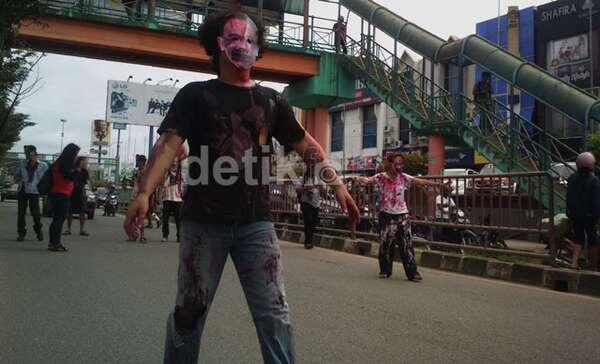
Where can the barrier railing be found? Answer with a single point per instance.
(481, 210)
(184, 17)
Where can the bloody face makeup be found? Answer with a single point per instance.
(239, 42)
(398, 164)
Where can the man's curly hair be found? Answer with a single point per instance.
(212, 28)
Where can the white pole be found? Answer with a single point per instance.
(498, 24)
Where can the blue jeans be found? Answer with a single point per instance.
(202, 255)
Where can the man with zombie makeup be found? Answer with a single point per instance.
(228, 123)
(394, 223)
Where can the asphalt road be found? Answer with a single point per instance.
(106, 301)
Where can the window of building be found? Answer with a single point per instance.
(369, 127)
(337, 132)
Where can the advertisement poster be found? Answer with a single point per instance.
(136, 103)
(569, 60)
(100, 133)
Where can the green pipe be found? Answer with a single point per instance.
(528, 77)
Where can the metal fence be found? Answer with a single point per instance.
(515, 205)
(185, 17)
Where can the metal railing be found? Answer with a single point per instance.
(185, 18)
(502, 204)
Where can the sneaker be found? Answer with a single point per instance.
(164, 240)
(67, 232)
(40, 236)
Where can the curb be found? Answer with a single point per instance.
(565, 280)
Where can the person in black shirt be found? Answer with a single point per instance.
(228, 123)
(482, 95)
(583, 207)
(77, 205)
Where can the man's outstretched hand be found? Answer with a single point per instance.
(348, 206)
(136, 213)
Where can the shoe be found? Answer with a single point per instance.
(416, 277)
(67, 232)
(40, 236)
(143, 240)
(21, 238)
(164, 240)
(84, 233)
(308, 246)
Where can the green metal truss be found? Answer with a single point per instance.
(430, 109)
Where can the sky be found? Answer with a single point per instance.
(74, 88)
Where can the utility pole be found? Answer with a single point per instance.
(62, 134)
(589, 6)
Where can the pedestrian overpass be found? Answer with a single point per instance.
(302, 55)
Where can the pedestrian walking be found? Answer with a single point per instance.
(482, 95)
(78, 201)
(30, 172)
(310, 202)
(340, 35)
(63, 183)
(394, 221)
(172, 195)
(140, 167)
(228, 123)
(583, 208)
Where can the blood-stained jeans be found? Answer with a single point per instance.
(257, 258)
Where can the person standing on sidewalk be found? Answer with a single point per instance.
(394, 222)
(310, 202)
(30, 173)
(583, 208)
(63, 183)
(228, 123)
(172, 192)
(78, 201)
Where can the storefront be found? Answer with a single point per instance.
(567, 49)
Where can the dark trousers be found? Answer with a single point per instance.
(59, 203)
(170, 208)
(394, 230)
(585, 231)
(310, 214)
(340, 42)
(33, 201)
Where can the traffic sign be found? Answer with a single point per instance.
(119, 126)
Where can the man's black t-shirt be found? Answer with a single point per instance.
(228, 121)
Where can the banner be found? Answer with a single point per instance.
(136, 103)
(569, 60)
(100, 134)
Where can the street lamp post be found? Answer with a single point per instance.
(166, 79)
(62, 134)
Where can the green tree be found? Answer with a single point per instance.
(415, 164)
(594, 145)
(16, 63)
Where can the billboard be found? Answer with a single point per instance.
(100, 134)
(136, 103)
(569, 60)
